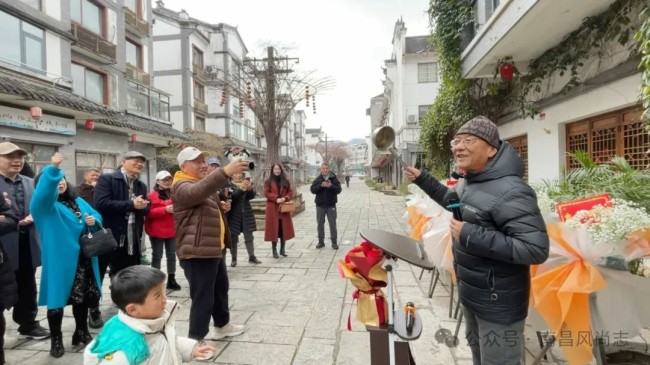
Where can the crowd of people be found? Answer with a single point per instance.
(195, 215)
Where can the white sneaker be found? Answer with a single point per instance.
(229, 330)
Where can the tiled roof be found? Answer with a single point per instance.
(59, 97)
(419, 44)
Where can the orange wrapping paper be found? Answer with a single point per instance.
(561, 296)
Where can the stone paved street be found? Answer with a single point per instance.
(296, 308)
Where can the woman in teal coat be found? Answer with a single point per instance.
(67, 277)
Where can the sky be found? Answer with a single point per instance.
(347, 40)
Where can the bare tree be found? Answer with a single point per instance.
(271, 89)
(204, 141)
(334, 151)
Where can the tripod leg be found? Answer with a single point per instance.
(421, 273)
(457, 308)
(433, 282)
(451, 300)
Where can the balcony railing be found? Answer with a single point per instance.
(200, 107)
(136, 24)
(138, 75)
(199, 72)
(90, 41)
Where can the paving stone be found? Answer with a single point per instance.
(256, 353)
(312, 351)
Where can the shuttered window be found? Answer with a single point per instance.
(520, 144)
(621, 133)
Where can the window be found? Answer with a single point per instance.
(88, 14)
(490, 7)
(197, 57)
(520, 144)
(141, 99)
(427, 72)
(199, 124)
(199, 91)
(33, 3)
(105, 162)
(134, 6)
(617, 134)
(159, 105)
(38, 156)
(89, 83)
(422, 111)
(22, 43)
(134, 54)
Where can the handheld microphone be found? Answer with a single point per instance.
(454, 205)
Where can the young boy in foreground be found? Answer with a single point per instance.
(143, 331)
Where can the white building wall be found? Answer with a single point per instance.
(167, 55)
(546, 138)
(52, 8)
(163, 27)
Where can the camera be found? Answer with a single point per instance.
(241, 153)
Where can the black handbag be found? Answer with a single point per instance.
(98, 243)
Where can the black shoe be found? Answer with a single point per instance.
(171, 282)
(95, 319)
(56, 348)
(335, 246)
(254, 260)
(81, 337)
(36, 333)
(320, 245)
(233, 263)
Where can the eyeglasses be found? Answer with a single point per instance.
(466, 141)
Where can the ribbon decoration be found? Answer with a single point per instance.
(371, 308)
(561, 296)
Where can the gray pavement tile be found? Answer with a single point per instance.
(256, 353)
(312, 351)
(354, 349)
(284, 335)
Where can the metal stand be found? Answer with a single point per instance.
(391, 308)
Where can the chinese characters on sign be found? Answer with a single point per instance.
(17, 118)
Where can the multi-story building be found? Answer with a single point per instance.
(86, 67)
(602, 116)
(355, 164)
(410, 86)
(292, 145)
(313, 136)
(189, 55)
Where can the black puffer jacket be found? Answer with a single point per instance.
(326, 197)
(241, 213)
(8, 286)
(503, 235)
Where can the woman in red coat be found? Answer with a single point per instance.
(159, 225)
(278, 225)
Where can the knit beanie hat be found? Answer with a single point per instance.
(483, 128)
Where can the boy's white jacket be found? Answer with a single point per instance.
(160, 334)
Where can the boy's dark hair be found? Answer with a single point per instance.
(131, 285)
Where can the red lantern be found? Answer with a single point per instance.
(506, 70)
(134, 137)
(35, 112)
(90, 125)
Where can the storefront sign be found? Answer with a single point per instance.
(18, 118)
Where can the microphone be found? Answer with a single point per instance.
(410, 317)
(454, 205)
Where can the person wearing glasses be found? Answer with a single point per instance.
(121, 199)
(500, 235)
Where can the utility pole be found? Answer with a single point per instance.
(326, 160)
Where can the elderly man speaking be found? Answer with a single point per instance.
(201, 238)
(501, 234)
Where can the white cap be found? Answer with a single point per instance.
(162, 175)
(189, 154)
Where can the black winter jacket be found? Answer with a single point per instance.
(503, 235)
(241, 214)
(112, 201)
(326, 197)
(8, 286)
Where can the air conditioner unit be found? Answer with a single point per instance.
(411, 119)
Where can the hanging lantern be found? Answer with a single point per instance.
(506, 70)
(134, 137)
(35, 112)
(90, 125)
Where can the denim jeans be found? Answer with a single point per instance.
(170, 249)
